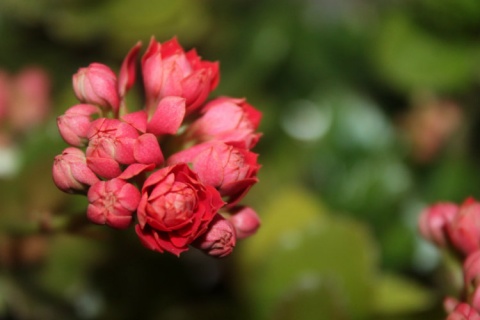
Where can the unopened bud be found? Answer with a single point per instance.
(219, 240)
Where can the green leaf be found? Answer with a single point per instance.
(413, 59)
(297, 250)
(395, 294)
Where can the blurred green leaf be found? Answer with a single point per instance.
(398, 295)
(298, 248)
(414, 60)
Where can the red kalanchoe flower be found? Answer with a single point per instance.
(71, 173)
(245, 221)
(464, 230)
(229, 120)
(175, 209)
(97, 84)
(112, 203)
(229, 169)
(219, 240)
(75, 123)
(170, 71)
(433, 222)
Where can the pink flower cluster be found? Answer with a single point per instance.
(457, 228)
(178, 166)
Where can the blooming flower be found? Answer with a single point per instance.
(175, 209)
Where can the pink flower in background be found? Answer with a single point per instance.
(71, 173)
(175, 209)
(31, 100)
(208, 152)
(25, 98)
(97, 84)
(112, 202)
(219, 240)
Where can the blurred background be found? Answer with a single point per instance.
(370, 113)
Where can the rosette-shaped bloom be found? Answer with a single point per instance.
(112, 202)
(170, 71)
(74, 124)
(245, 221)
(464, 311)
(433, 222)
(227, 119)
(175, 209)
(219, 240)
(71, 173)
(97, 84)
(229, 169)
(464, 231)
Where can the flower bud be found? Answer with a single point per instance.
(74, 124)
(229, 169)
(111, 142)
(229, 120)
(245, 221)
(97, 84)
(71, 173)
(433, 222)
(112, 202)
(464, 230)
(219, 240)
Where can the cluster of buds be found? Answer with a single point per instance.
(177, 167)
(455, 228)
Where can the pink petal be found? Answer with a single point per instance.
(168, 116)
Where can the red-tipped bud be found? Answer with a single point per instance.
(112, 203)
(433, 222)
(97, 84)
(245, 221)
(219, 240)
(74, 124)
(71, 173)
